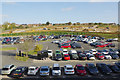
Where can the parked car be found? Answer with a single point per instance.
(114, 68)
(19, 72)
(76, 45)
(56, 70)
(93, 51)
(44, 71)
(80, 70)
(99, 56)
(82, 56)
(79, 52)
(66, 45)
(92, 69)
(114, 55)
(32, 70)
(118, 64)
(57, 52)
(58, 57)
(90, 57)
(68, 69)
(73, 54)
(55, 41)
(50, 53)
(66, 57)
(8, 69)
(64, 51)
(102, 67)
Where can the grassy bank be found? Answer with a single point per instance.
(101, 34)
(21, 58)
(7, 48)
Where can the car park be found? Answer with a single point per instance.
(44, 71)
(73, 54)
(91, 68)
(118, 64)
(93, 51)
(86, 52)
(19, 72)
(32, 70)
(8, 69)
(103, 68)
(66, 57)
(80, 70)
(56, 70)
(68, 69)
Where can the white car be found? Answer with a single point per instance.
(93, 51)
(56, 70)
(107, 56)
(50, 53)
(32, 70)
(91, 57)
(68, 69)
(55, 41)
(8, 69)
(64, 51)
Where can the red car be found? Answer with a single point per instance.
(66, 45)
(66, 57)
(80, 70)
(99, 55)
(101, 45)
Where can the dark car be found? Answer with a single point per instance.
(109, 40)
(114, 68)
(103, 68)
(114, 55)
(79, 52)
(58, 57)
(82, 56)
(118, 64)
(76, 45)
(92, 69)
(19, 72)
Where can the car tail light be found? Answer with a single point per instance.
(66, 71)
(72, 71)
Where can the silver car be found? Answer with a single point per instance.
(44, 70)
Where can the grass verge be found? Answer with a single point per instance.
(21, 58)
(7, 48)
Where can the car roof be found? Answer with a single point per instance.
(49, 50)
(44, 66)
(7, 66)
(90, 63)
(32, 67)
(68, 65)
(79, 65)
(64, 49)
(55, 65)
(20, 67)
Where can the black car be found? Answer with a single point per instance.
(92, 69)
(79, 52)
(76, 45)
(82, 56)
(58, 57)
(118, 64)
(103, 68)
(109, 40)
(19, 72)
(114, 55)
(114, 68)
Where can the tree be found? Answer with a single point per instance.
(26, 46)
(69, 23)
(78, 23)
(5, 25)
(47, 23)
(37, 48)
(20, 26)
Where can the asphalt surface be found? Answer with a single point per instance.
(8, 57)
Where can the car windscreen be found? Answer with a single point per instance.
(49, 51)
(31, 69)
(44, 69)
(69, 68)
(56, 68)
(57, 51)
(18, 70)
(80, 68)
(5, 68)
(65, 51)
(58, 55)
(66, 55)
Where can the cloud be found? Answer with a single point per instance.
(10, 3)
(104, 0)
(67, 9)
